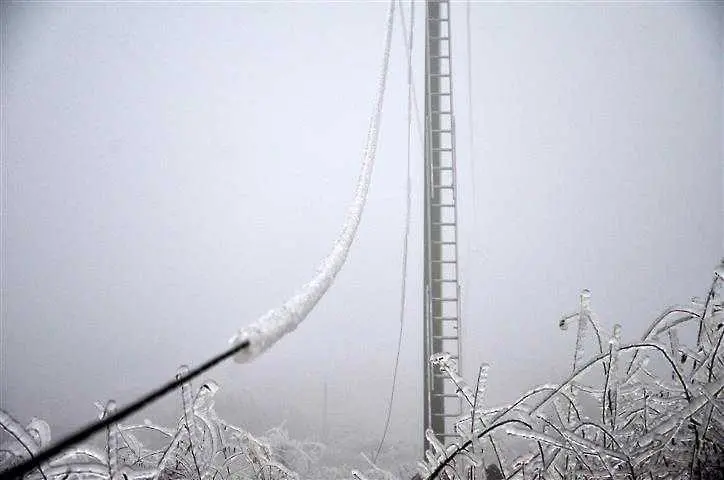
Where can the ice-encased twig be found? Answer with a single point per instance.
(448, 366)
(694, 406)
(22, 436)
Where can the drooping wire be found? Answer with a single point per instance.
(278, 322)
(465, 288)
(251, 342)
(471, 118)
(408, 202)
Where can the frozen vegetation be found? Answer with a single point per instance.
(646, 410)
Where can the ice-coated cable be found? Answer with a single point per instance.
(259, 336)
(276, 323)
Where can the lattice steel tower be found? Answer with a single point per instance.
(442, 293)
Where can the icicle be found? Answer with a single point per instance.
(482, 384)
(438, 449)
(111, 440)
(583, 316)
(613, 380)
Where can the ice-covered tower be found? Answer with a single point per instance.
(441, 298)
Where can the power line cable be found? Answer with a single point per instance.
(22, 468)
(262, 334)
(408, 202)
(278, 322)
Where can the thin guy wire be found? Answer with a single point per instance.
(465, 288)
(408, 187)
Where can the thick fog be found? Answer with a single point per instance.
(173, 171)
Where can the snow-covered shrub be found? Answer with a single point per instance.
(650, 409)
(201, 446)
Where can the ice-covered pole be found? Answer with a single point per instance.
(276, 323)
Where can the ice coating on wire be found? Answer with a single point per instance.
(276, 323)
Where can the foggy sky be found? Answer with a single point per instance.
(171, 172)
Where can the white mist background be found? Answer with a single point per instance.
(174, 171)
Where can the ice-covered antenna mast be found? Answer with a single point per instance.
(442, 293)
